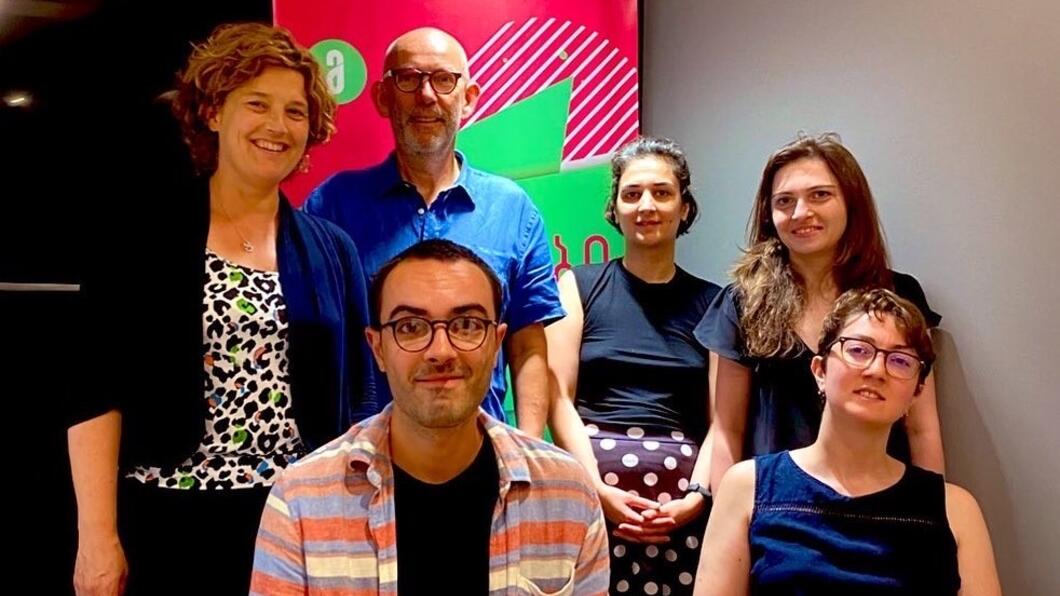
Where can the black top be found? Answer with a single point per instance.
(143, 325)
(785, 408)
(640, 363)
(443, 530)
(807, 539)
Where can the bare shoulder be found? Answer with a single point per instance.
(959, 499)
(567, 282)
(737, 488)
(741, 476)
(962, 511)
(568, 293)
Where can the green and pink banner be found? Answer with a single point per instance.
(559, 94)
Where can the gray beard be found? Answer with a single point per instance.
(408, 144)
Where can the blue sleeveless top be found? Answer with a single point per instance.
(807, 539)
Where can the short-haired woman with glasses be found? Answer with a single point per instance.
(813, 234)
(841, 516)
(632, 402)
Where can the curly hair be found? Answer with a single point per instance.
(661, 148)
(233, 55)
(879, 303)
(771, 293)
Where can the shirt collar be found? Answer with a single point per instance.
(393, 183)
(369, 449)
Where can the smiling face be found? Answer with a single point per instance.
(808, 208)
(648, 208)
(868, 394)
(439, 387)
(425, 122)
(262, 127)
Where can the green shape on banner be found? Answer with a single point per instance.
(344, 69)
(572, 204)
(524, 142)
(525, 139)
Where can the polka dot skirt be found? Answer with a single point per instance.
(658, 467)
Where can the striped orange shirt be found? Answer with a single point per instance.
(328, 527)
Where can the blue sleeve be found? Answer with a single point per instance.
(317, 204)
(719, 330)
(534, 295)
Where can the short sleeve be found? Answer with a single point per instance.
(909, 288)
(719, 330)
(534, 295)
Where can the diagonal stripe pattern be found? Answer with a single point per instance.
(519, 60)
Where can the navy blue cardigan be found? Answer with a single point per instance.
(143, 295)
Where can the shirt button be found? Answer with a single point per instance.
(420, 211)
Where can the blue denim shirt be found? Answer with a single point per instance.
(489, 214)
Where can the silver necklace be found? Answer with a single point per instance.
(247, 246)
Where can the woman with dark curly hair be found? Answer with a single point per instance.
(631, 401)
(228, 352)
(812, 235)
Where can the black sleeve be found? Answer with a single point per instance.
(719, 330)
(99, 361)
(909, 288)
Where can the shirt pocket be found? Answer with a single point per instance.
(547, 578)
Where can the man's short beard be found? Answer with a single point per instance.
(410, 145)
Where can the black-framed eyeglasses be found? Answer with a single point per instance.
(414, 334)
(409, 80)
(861, 354)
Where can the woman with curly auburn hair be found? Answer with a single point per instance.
(841, 516)
(813, 234)
(241, 349)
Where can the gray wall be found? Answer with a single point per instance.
(951, 107)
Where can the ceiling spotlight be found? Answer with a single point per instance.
(18, 99)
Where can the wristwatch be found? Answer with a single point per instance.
(696, 487)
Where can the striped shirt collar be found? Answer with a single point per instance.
(369, 449)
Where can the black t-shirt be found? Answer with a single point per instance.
(443, 530)
(785, 409)
(640, 363)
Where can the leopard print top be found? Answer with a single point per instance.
(250, 433)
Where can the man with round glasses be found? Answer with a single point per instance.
(426, 189)
(433, 495)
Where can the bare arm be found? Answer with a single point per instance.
(685, 509)
(725, 560)
(528, 354)
(925, 432)
(100, 568)
(975, 555)
(564, 350)
(731, 401)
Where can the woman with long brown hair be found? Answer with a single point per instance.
(813, 234)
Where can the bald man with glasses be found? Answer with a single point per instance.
(425, 189)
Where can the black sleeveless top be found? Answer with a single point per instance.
(640, 363)
(807, 539)
(784, 410)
